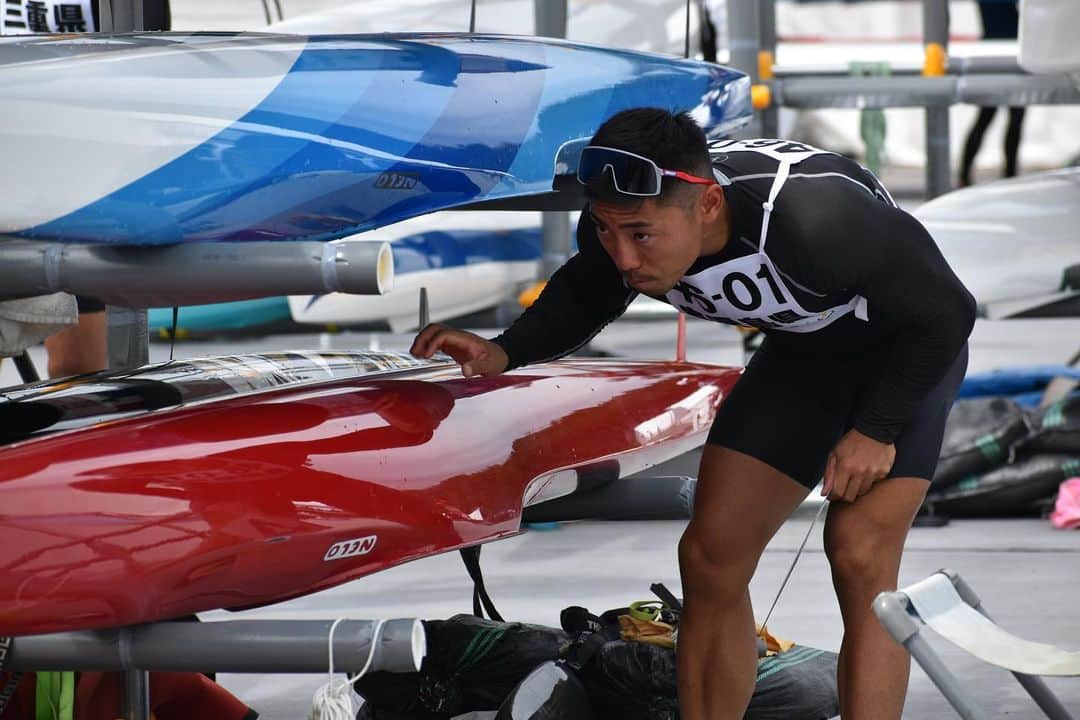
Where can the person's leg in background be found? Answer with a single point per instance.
(1012, 141)
(973, 143)
(81, 348)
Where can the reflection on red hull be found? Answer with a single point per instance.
(254, 499)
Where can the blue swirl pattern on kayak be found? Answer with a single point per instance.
(364, 131)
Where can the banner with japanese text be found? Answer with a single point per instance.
(24, 17)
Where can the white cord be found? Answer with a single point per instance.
(764, 625)
(333, 701)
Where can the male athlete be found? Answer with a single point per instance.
(866, 328)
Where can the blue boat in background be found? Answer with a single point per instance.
(248, 316)
(236, 137)
(216, 167)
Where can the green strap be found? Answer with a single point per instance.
(479, 646)
(775, 663)
(55, 696)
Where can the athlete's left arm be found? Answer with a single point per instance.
(887, 256)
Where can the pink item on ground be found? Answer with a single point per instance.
(1066, 513)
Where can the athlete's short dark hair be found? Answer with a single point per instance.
(672, 140)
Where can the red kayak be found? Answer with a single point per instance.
(251, 494)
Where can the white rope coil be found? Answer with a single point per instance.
(334, 699)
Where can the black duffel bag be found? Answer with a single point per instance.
(1017, 490)
(980, 435)
(471, 664)
(1056, 428)
(637, 681)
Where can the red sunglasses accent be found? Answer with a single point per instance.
(687, 177)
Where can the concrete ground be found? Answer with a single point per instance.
(1027, 573)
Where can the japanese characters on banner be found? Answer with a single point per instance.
(24, 17)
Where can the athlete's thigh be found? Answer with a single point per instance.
(880, 519)
(876, 523)
(788, 411)
(740, 501)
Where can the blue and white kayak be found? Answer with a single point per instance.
(154, 139)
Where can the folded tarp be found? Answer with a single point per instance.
(980, 434)
(1056, 428)
(1021, 488)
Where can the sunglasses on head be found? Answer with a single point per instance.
(631, 174)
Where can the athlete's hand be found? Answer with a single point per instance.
(855, 464)
(476, 355)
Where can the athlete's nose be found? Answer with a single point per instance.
(625, 256)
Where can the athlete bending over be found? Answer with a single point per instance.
(866, 328)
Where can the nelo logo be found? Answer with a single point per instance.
(351, 548)
(396, 181)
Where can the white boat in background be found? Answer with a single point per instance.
(468, 261)
(650, 25)
(1015, 243)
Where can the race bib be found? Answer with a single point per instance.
(748, 291)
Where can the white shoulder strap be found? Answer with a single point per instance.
(782, 171)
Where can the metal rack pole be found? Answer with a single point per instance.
(550, 19)
(743, 47)
(938, 166)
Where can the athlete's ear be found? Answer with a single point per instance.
(711, 203)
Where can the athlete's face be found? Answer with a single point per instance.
(652, 244)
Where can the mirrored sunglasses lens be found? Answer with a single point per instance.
(631, 175)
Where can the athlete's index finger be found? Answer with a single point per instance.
(424, 344)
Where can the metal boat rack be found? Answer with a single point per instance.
(252, 646)
(943, 82)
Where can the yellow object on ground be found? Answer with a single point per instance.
(659, 633)
(653, 632)
(773, 644)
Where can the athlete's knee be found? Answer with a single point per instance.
(711, 565)
(862, 552)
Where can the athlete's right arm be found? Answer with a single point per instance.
(583, 296)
